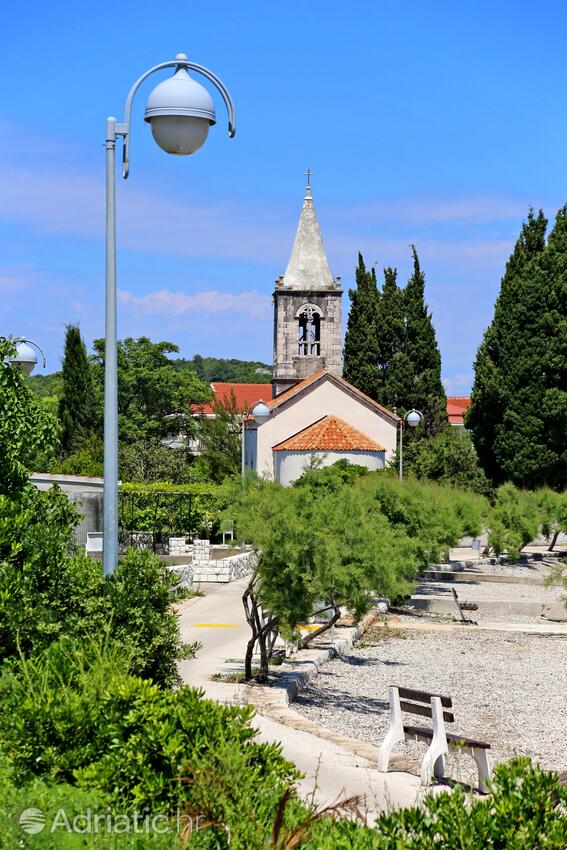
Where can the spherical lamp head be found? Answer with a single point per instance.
(180, 111)
(25, 358)
(414, 418)
(261, 412)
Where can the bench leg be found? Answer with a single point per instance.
(481, 758)
(395, 732)
(434, 760)
(439, 768)
(433, 763)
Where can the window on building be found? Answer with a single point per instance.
(309, 333)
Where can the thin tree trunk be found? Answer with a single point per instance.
(305, 641)
(553, 541)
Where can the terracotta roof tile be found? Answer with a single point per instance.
(329, 434)
(246, 395)
(457, 406)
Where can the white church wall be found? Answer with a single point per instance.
(324, 398)
(289, 466)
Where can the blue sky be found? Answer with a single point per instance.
(433, 122)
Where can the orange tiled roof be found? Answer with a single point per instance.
(457, 406)
(329, 434)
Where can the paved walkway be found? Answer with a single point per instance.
(331, 770)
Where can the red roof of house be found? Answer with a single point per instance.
(329, 434)
(245, 395)
(457, 406)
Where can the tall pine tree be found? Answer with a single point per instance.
(427, 393)
(518, 415)
(77, 408)
(361, 345)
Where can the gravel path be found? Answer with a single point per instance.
(507, 689)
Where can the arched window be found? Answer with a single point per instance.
(309, 332)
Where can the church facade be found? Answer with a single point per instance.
(316, 417)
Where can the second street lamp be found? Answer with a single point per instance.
(413, 418)
(180, 112)
(260, 413)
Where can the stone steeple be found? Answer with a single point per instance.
(308, 267)
(307, 308)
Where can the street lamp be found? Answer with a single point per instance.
(413, 418)
(180, 112)
(25, 356)
(261, 413)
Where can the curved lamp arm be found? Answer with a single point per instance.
(124, 129)
(31, 342)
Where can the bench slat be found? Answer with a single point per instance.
(423, 696)
(456, 740)
(424, 711)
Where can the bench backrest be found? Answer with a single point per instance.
(421, 703)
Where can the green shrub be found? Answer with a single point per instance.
(44, 593)
(35, 543)
(173, 508)
(448, 458)
(513, 520)
(75, 714)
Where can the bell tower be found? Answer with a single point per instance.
(307, 308)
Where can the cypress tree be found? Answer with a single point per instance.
(427, 393)
(393, 365)
(361, 345)
(525, 352)
(77, 409)
(517, 392)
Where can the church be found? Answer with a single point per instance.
(315, 416)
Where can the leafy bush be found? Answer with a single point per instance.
(45, 593)
(432, 516)
(526, 811)
(448, 458)
(55, 799)
(513, 520)
(75, 714)
(26, 429)
(173, 508)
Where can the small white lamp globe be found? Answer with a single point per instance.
(261, 412)
(180, 112)
(413, 418)
(25, 358)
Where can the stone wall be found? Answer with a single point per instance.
(221, 570)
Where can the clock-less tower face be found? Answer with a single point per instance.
(307, 308)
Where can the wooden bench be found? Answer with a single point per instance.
(439, 740)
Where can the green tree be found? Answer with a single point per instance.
(221, 439)
(361, 344)
(449, 458)
(26, 428)
(394, 368)
(420, 346)
(77, 405)
(518, 415)
(154, 398)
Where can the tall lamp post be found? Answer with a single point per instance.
(25, 356)
(261, 413)
(413, 418)
(180, 112)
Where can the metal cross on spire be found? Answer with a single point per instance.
(308, 174)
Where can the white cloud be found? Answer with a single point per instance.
(459, 384)
(165, 302)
